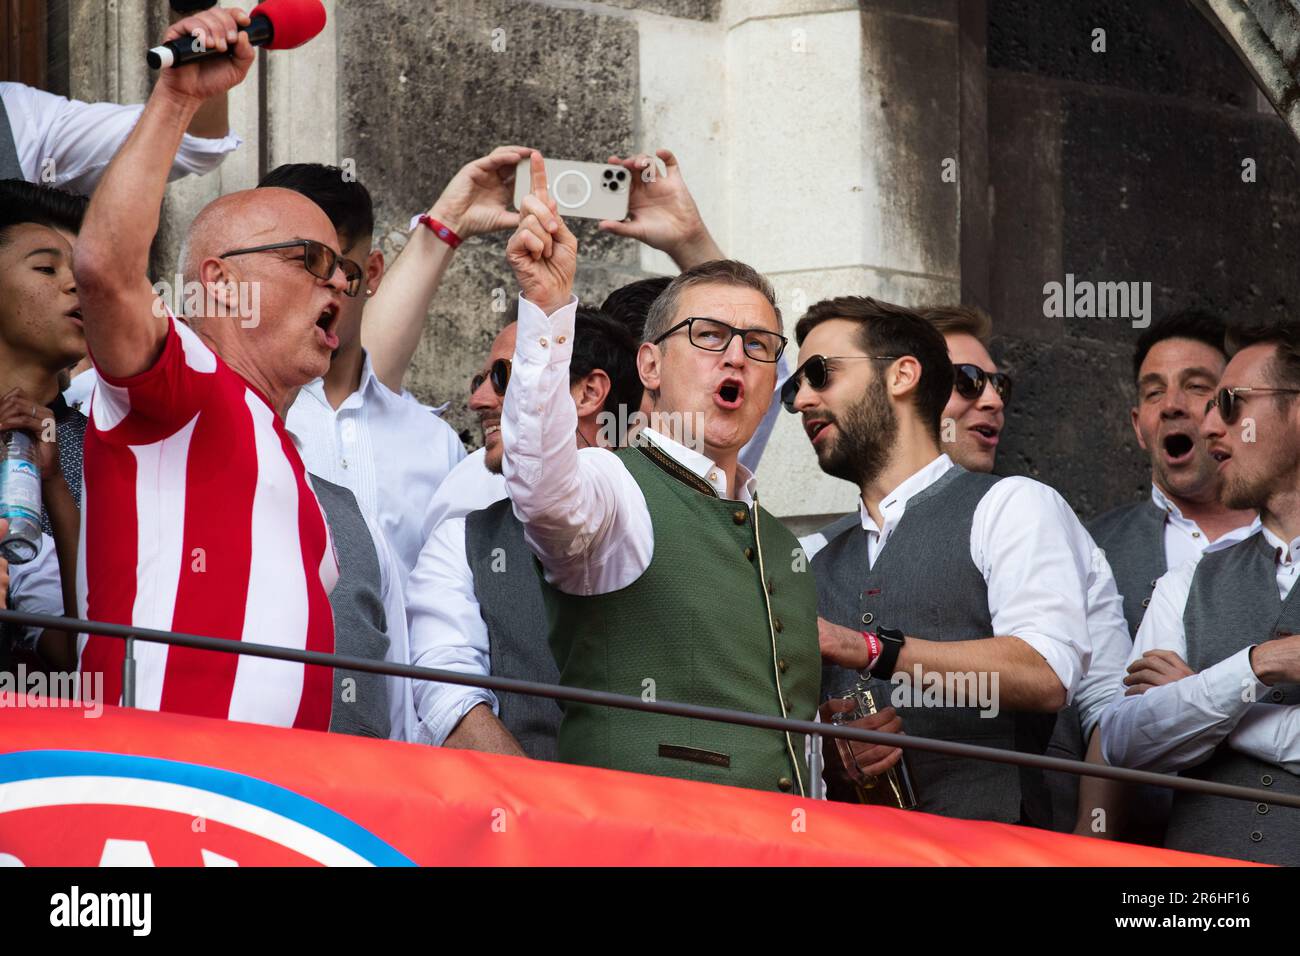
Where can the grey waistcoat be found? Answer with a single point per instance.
(925, 584)
(508, 586)
(1133, 537)
(9, 166)
(1233, 603)
(360, 704)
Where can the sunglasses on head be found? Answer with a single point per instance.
(971, 380)
(817, 372)
(1228, 400)
(498, 374)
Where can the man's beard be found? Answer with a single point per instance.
(1251, 492)
(866, 436)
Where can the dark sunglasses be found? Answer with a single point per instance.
(498, 375)
(817, 371)
(317, 258)
(1228, 400)
(971, 380)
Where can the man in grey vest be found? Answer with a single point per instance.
(1175, 365)
(962, 594)
(369, 621)
(475, 597)
(1215, 671)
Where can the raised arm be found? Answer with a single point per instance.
(578, 509)
(476, 201)
(661, 212)
(124, 331)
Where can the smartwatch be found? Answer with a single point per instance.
(891, 643)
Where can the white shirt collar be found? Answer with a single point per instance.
(705, 467)
(1288, 553)
(1162, 502)
(894, 504)
(369, 383)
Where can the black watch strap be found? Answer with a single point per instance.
(891, 643)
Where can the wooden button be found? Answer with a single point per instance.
(786, 784)
(738, 517)
(749, 553)
(782, 666)
(776, 625)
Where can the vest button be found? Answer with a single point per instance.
(1153, 582)
(1267, 780)
(868, 618)
(1261, 808)
(786, 784)
(776, 625)
(782, 666)
(1276, 695)
(1256, 836)
(1146, 602)
(738, 517)
(749, 553)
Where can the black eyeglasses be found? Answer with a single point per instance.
(498, 374)
(1228, 400)
(971, 379)
(817, 370)
(761, 345)
(317, 258)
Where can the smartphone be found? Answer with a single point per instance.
(586, 190)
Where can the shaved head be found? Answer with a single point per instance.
(270, 319)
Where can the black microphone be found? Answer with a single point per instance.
(275, 24)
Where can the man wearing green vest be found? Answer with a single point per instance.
(665, 579)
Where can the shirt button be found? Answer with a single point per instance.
(1196, 534)
(782, 666)
(713, 476)
(542, 343)
(785, 784)
(749, 553)
(344, 463)
(1267, 780)
(868, 618)
(738, 517)
(560, 340)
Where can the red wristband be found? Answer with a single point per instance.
(874, 648)
(445, 233)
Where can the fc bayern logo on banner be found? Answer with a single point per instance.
(79, 808)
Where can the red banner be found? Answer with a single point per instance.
(131, 787)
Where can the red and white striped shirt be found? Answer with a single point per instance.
(198, 517)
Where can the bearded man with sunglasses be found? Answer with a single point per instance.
(946, 574)
(198, 515)
(1214, 685)
(664, 578)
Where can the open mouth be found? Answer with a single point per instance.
(814, 427)
(326, 323)
(1178, 447)
(730, 394)
(490, 429)
(1220, 455)
(74, 315)
(987, 433)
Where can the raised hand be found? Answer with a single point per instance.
(17, 411)
(543, 252)
(218, 28)
(661, 212)
(477, 200)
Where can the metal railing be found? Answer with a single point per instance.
(605, 699)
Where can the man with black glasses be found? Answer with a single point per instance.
(665, 579)
(198, 515)
(1215, 672)
(960, 595)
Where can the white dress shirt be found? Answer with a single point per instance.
(1178, 725)
(443, 616)
(584, 515)
(75, 141)
(77, 394)
(1184, 539)
(1103, 678)
(1036, 559)
(391, 452)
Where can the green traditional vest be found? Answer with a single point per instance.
(697, 627)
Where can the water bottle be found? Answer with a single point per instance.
(898, 790)
(20, 498)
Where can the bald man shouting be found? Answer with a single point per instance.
(198, 515)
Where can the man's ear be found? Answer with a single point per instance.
(375, 267)
(590, 392)
(904, 376)
(649, 365)
(220, 281)
(1133, 417)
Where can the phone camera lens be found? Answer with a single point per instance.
(609, 174)
(622, 175)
